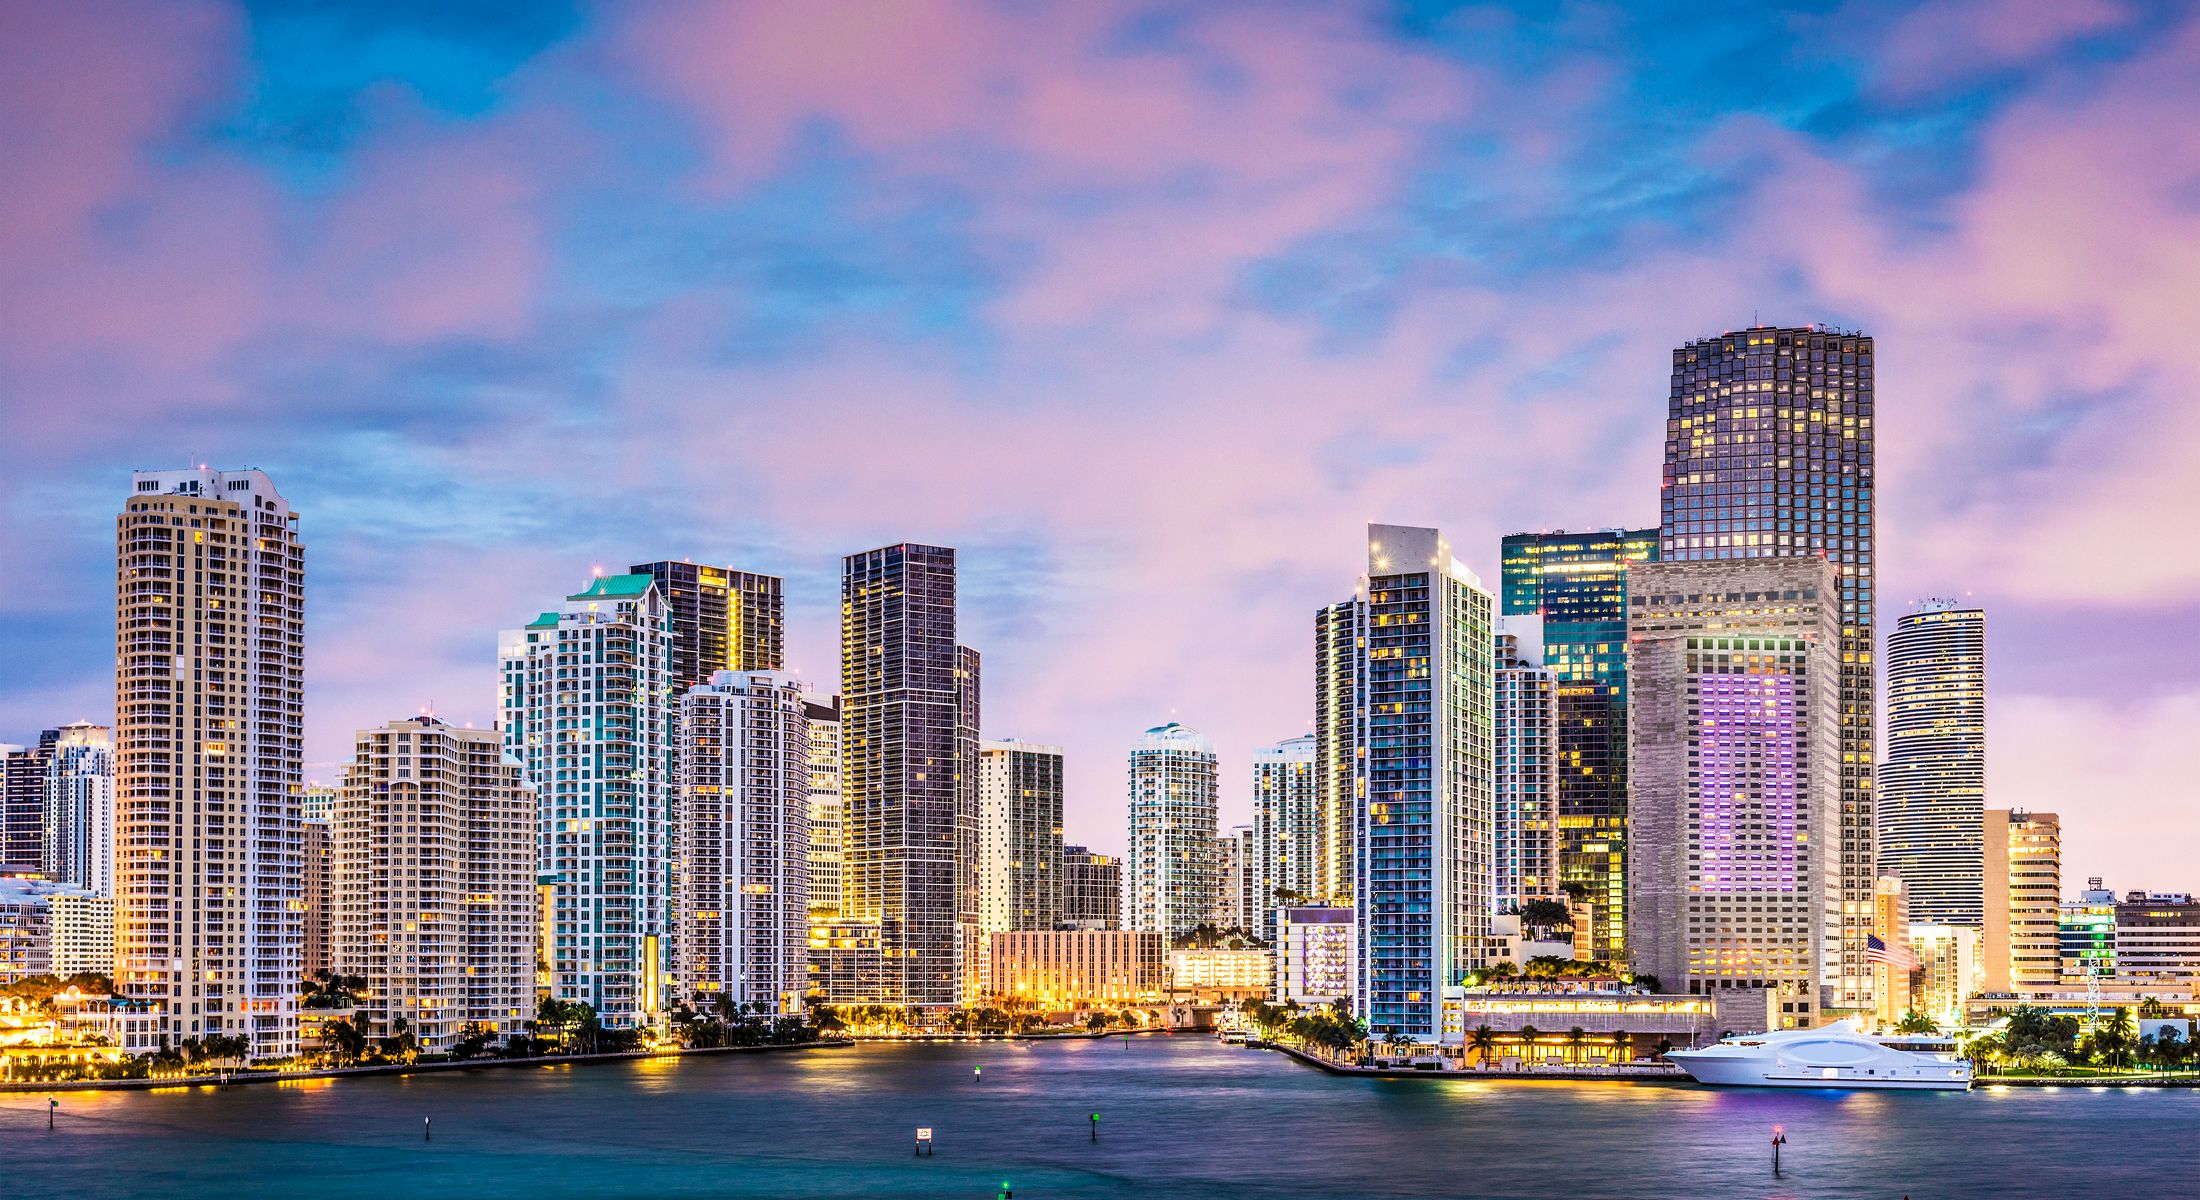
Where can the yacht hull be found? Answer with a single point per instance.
(1730, 1073)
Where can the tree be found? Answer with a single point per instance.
(1622, 1045)
(1484, 1041)
(1545, 915)
(1528, 1034)
(1914, 1021)
(1576, 1038)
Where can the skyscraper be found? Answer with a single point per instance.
(434, 865)
(1235, 865)
(587, 713)
(1287, 830)
(1423, 895)
(1173, 884)
(80, 809)
(745, 840)
(721, 619)
(209, 724)
(910, 799)
(1340, 639)
(23, 804)
(1019, 836)
(1577, 584)
(1733, 685)
(1932, 783)
(826, 864)
(318, 905)
(2023, 893)
(1525, 816)
(1768, 453)
(1092, 889)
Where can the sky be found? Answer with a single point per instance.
(1146, 309)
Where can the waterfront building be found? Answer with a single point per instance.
(434, 882)
(1077, 968)
(1019, 836)
(1173, 883)
(1287, 831)
(1932, 782)
(209, 725)
(2023, 898)
(2158, 939)
(1768, 454)
(1235, 863)
(83, 927)
(587, 714)
(1340, 643)
(744, 904)
(23, 805)
(79, 833)
(26, 928)
(2085, 933)
(1622, 1022)
(1427, 677)
(1950, 970)
(1734, 686)
(1525, 842)
(1892, 966)
(319, 841)
(909, 724)
(1575, 586)
(720, 619)
(1314, 947)
(848, 966)
(826, 825)
(1092, 889)
(1221, 973)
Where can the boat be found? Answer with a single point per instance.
(1832, 1056)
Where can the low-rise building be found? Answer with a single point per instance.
(1951, 968)
(1618, 1023)
(1314, 949)
(1077, 968)
(1221, 974)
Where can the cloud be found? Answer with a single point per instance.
(1946, 43)
(2116, 772)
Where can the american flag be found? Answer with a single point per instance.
(1900, 958)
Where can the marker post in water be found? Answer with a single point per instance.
(1779, 1139)
(924, 1141)
(1096, 1127)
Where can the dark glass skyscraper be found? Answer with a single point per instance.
(1768, 454)
(722, 620)
(1577, 584)
(908, 724)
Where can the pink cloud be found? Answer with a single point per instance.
(1141, 179)
(1949, 41)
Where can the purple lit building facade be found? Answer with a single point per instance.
(1734, 685)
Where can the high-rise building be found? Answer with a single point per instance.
(1425, 829)
(23, 805)
(1235, 865)
(209, 730)
(2023, 899)
(825, 810)
(1949, 970)
(1733, 693)
(1768, 454)
(1287, 830)
(721, 619)
(910, 798)
(319, 842)
(1932, 782)
(2085, 933)
(1019, 836)
(1340, 642)
(1525, 815)
(83, 932)
(318, 801)
(1891, 967)
(434, 867)
(80, 809)
(1576, 583)
(1173, 884)
(1092, 889)
(2158, 939)
(587, 713)
(745, 840)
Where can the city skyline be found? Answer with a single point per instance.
(408, 429)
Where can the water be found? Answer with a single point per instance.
(1180, 1116)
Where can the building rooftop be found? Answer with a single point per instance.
(608, 587)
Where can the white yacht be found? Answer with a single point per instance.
(1834, 1056)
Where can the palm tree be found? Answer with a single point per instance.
(1914, 1021)
(1622, 1045)
(1576, 1038)
(1484, 1042)
(1528, 1034)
